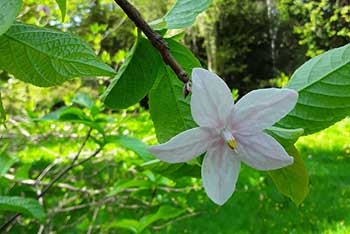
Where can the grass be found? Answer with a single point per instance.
(256, 206)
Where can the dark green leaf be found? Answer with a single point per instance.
(133, 144)
(2, 112)
(46, 57)
(170, 111)
(323, 84)
(26, 206)
(8, 12)
(62, 4)
(173, 171)
(292, 181)
(125, 184)
(135, 78)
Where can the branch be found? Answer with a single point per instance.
(157, 41)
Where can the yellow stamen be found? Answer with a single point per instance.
(232, 144)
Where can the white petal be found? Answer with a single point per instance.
(220, 171)
(262, 108)
(184, 146)
(211, 101)
(262, 152)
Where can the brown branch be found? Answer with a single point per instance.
(156, 39)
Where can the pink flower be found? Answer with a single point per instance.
(229, 133)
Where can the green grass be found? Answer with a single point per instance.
(256, 206)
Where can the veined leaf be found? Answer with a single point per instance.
(170, 111)
(182, 14)
(323, 84)
(27, 206)
(62, 4)
(292, 181)
(135, 78)
(46, 57)
(8, 12)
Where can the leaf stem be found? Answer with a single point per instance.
(156, 39)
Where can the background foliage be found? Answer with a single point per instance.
(121, 188)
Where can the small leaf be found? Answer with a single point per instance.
(8, 12)
(164, 212)
(62, 4)
(26, 206)
(125, 184)
(173, 171)
(129, 224)
(2, 112)
(182, 14)
(170, 111)
(292, 181)
(323, 84)
(83, 99)
(133, 144)
(46, 57)
(135, 78)
(6, 163)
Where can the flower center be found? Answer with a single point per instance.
(228, 137)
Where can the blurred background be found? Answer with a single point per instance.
(250, 44)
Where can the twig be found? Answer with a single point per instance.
(156, 39)
(175, 220)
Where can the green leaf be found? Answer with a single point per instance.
(323, 84)
(62, 4)
(46, 57)
(2, 112)
(6, 163)
(164, 212)
(133, 144)
(173, 171)
(125, 184)
(292, 181)
(135, 78)
(83, 99)
(170, 111)
(285, 136)
(8, 12)
(129, 224)
(182, 14)
(26, 206)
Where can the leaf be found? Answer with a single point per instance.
(125, 184)
(6, 163)
(133, 144)
(182, 14)
(129, 224)
(83, 99)
(2, 112)
(285, 136)
(292, 181)
(135, 78)
(164, 212)
(173, 171)
(8, 12)
(62, 4)
(46, 57)
(26, 206)
(170, 111)
(323, 84)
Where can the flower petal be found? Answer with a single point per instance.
(184, 146)
(220, 171)
(262, 108)
(211, 100)
(261, 151)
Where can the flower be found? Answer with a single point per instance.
(229, 133)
